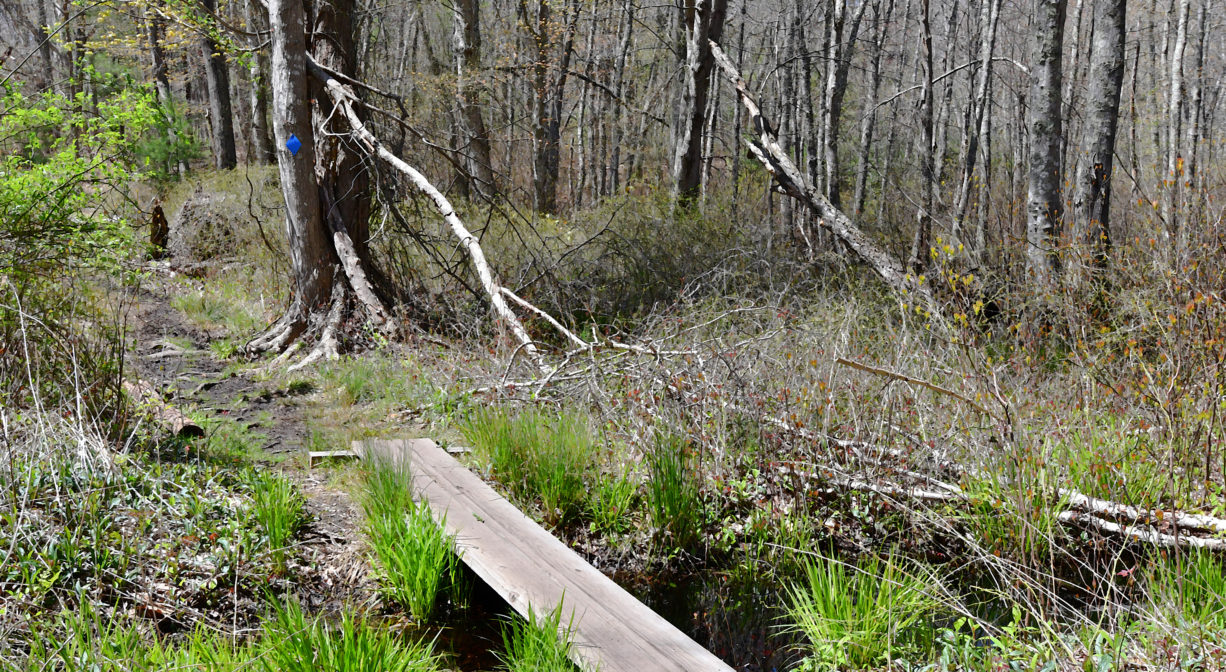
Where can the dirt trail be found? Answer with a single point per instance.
(169, 352)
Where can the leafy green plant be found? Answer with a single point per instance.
(859, 616)
(416, 557)
(674, 499)
(278, 508)
(538, 644)
(295, 643)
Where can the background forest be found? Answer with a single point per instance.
(847, 334)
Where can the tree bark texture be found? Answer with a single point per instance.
(1044, 210)
(703, 23)
(466, 43)
(1093, 195)
(217, 78)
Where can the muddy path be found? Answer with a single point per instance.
(173, 355)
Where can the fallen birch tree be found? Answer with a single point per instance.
(767, 150)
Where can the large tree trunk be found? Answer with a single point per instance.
(466, 42)
(312, 262)
(703, 22)
(1044, 209)
(327, 193)
(1093, 199)
(217, 77)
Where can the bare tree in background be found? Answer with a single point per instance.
(1092, 203)
(703, 21)
(1044, 209)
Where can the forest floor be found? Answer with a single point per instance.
(173, 354)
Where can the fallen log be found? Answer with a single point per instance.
(163, 413)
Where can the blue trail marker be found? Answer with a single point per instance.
(293, 144)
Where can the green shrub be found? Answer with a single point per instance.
(674, 498)
(859, 617)
(417, 559)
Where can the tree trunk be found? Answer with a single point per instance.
(466, 42)
(842, 44)
(1176, 228)
(703, 22)
(261, 141)
(1044, 209)
(217, 78)
(1093, 197)
(311, 259)
(989, 19)
(921, 243)
(868, 123)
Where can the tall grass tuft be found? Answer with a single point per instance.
(416, 557)
(294, 643)
(550, 459)
(858, 617)
(538, 644)
(278, 509)
(674, 498)
(1192, 587)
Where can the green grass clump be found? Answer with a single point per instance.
(278, 509)
(294, 643)
(416, 557)
(674, 498)
(859, 617)
(539, 457)
(538, 644)
(1191, 586)
(612, 502)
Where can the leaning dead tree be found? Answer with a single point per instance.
(767, 150)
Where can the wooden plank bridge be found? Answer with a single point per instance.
(531, 569)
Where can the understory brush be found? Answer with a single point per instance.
(163, 531)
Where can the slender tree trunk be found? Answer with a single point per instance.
(842, 43)
(466, 42)
(1093, 197)
(217, 78)
(1044, 209)
(703, 21)
(619, 88)
(261, 140)
(1174, 140)
(920, 245)
(989, 16)
(869, 122)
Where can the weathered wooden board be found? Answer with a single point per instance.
(531, 569)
